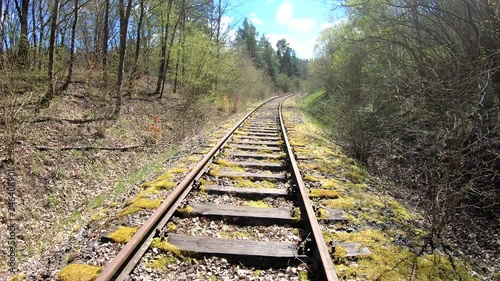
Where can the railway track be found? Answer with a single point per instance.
(243, 204)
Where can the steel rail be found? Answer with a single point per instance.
(320, 253)
(112, 270)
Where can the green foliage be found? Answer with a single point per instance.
(406, 93)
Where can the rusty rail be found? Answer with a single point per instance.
(113, 269)
(320, 252)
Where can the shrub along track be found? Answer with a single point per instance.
(244, 204)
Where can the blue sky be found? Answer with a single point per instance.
(298, 21)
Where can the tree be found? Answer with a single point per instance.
(22, 12)
(124, 20)
(52, 42)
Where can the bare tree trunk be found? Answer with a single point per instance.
(162, 71)
(182, 41)
(124, 18)
(33, 27)
(22, 12)
(169, 51)
(2, 35)
(72, 50)
(52, 42)
(105, 38)
(40, 34)
(138, 38)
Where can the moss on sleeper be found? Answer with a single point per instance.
(122, 234)
(79, 272)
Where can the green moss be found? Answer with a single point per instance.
(340, 254)
(122, 234)
(178, 170)
(303, 276)
(331, 184)
(391, 262)
(186, 211)
(321, 213)
(97, 216)
(171, 226)
(296, 214)
(79, 272)
(259, 203)
(163, 245)
(312, 178)
(160, 184)
(340, 203)
(138, 203)
(254, 184)
(353, 176)
(17, 277)
(323, 193)
(161, 262)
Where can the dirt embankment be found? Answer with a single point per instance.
(72, 159)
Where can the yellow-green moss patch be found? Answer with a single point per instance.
(122, 234)
(323, 193)
(321, 213)
(79, 272)
(17, 277)
(186, 211)
(296, 214)
(99, 215)
(166, 247)
(259, 203)
(178, 170)
(254, 184)
(340, 203)
(161, 262)
(312, 178)
(138, 203)
(171, 226)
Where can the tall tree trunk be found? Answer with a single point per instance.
(33, 27)
(182, 41)
(22, 12)
(138, 38)
(217, 43)
(40, 34)
(52, 47)
(169, 51)
(124, 19)
(2, 35)
(162, 70)
(105, 38)
(72, 50)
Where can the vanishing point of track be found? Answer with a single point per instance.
(262, 147)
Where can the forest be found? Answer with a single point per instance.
(411, 89)
(408, 88)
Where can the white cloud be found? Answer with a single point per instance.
(336, 23)
(226, 28)
(252, 14)
(303, 50)
(304, 24)
(256, 21)
(285, 13)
